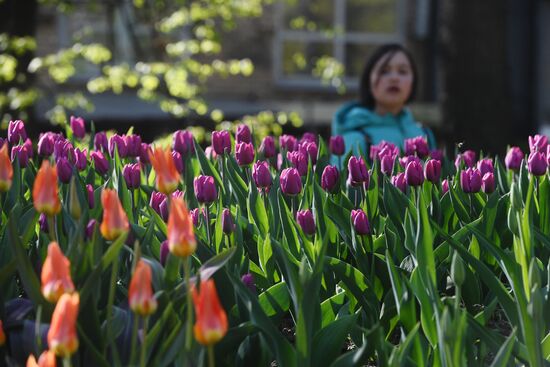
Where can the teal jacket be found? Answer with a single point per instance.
(362, 127)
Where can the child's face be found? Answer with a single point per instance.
(391, 83)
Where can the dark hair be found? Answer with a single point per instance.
(365, 93)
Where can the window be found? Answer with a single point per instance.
(347, 30)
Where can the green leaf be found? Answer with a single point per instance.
(210, 267)
(505, 351)
(256, 209)
(275, 301)
(331, 307)
(424, 243)
(327, 343)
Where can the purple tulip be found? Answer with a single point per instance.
(470, 180)
(413, 174)
(221, 142)
(144, 154)
(210, 153)
(536, 163)
(2, 142)
(101, 163)
(267, 147)
(164, 250)
(20, 151)
(399, 181)
(248, 281)
(228, 226)
(156, 199)
(417, 145)
(375, 150)
(195, 216)
(445, 186)
(360, 222)
(299, 161)
(178, 194)
(43, 221)
(513, 158)
(538, 143)
(488, 183)
(62, 148)
(261, 175)
(16, 132)
(329, 178)
(205, 189)
(547, 153)
(309, 148)
(306, 221)
(357, 172)
(78, 127)
(163, 209)
(404, 161)
(178, 161)
(337, 145)
(244, 153)
(432, 170)
(243, 134)
(308, 137)
(64, 170)
(45, 144)
(288, 142)
(133, 145)
(91, 197)
(28, 146)
(90, 228)
(386, 164)
(468, 157)
(485, 165)
(132, 175)
(183, 142)
(291, 183)
(100, 142)
(279, 161)
(117, 142)
(437, 154)
(80, 159)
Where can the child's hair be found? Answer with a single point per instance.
(385, 51)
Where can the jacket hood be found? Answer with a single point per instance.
(353, 115)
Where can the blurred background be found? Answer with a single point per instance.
(162, 65)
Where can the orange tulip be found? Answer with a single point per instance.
(211, 324)
(56, 274)
(115, 221)
(181, 239)
(62, 338)
(140, 294)
(47, 359)
(6, 169)
(2, 335)
(168, 177)
(44, 192)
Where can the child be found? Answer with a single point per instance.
(388, 83)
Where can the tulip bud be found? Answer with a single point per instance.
(132, 175)
(80, 159)
(100, 142)
(115, 221)
(261, 175)
(211, 319)
(205, 189)
(91, 197)
(62, 148)
(329, 179)
(163, 207)
(299, 161)
(45, 144)
(485, 165)
(64, 170)
(117, 142)
(244, 153)
(417, 145)
(309, 148)
(62, 338)
(221, 142)
(399, 181)
(56, 274)
(290, 181)
(210, 153)
(360, 222)
(20, 151)
(386, 164)
(536, 163)
(458, 273)
(306, 221)
(16, 132)
(432, 171)
(227, 222)
(288, 142)
(181, 239)
(470, 180)
(133, 145)
(164, 250)
(437, 154)
(404, 161)
(358, 173)
(538, 143)
(267, 147)
(46, 359)
(6, 169)
(183, 142)
(195, 216)
(45, 191)
(167, 175)
(243, 134)
(337, 145)
(308, 137)
(78, 127)
(488, 183)
(156, 199)
(43, 222)
(413, 174)
(100, 162)
(445, 186)
(140, 293)
(90, 228)
(248, 281)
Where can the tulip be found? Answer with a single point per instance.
(261, 175)
(62, 148)
(360, 222)
(78, 127)
(536, 163)
(468, 157)
(46, 143)
(485, 165)
(64, 170)
(488, 183)
(290, 181)
(6, 169)
(432, 170)
(417, 145)
(387, 150)
(337, 145)
(45, 192)
(244, 153)
(2, 334)
(29, 148)
(56, 274)
(101, 163)
(181, 239)
(164, 250)
(404, 161)
(168, 177)
(144, 154)
(437, 154)
(358, 173)
(210, 153)
(205, 189)
(547, 154)
(90, 228)
(183, 142)
(132, 175)
(20, 151)
(329, 178)
(305, 220)
(80, 159)
(513, 158)
(399, 181)
(195, 216)
(221, 142)
(156, 199)
(386, 164)
(43, 222)
(140, 292)
(46, 359)
(248, 281)
(211, 319)
(308, 137)
(243, 134)
(288, 142)
(115, 221)
(16, 132)
(267, 147)
(100, 142)
(538, 143)
(228, 226)
(299, 161)
(91, 197)
(470, 180)
(133, 145)
(117, 142)
(310, 149)
(445, 186)
(62, 338)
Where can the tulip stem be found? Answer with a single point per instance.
(110, 301)
(134, 340)
(67, 362)
(187, 275)
(37, 330)
(211, 359)
(51, 228)
(143, 343)
(207, 223)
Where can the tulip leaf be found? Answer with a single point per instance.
(458, 205)
(290, 236)
(500, 175)
(505, 351)
(327, 343)
(238, 185)
(256, 209)
(331, 307)
(275, 301)
(544, 201)
(341, 218)
(423, 293)
(210, 267)
(545, 344)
